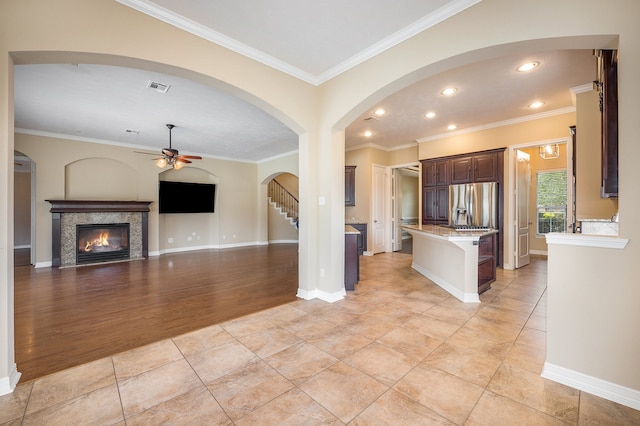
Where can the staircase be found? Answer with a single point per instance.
(283, 201)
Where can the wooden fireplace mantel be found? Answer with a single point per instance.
(75, 206)
(60, 207)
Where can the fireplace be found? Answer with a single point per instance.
(102, 242)
(78, 231)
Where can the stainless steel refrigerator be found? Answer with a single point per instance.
(474, 205)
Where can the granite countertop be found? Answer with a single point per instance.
(441, 231)
(350, 230)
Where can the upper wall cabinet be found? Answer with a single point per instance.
(350, 185)
(435, 172)
(475, 168)
(607, 83)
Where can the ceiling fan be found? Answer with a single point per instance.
(171, 157)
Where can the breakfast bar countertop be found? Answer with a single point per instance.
(348, 229)
(449, 233)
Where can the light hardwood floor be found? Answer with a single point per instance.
(70, 316)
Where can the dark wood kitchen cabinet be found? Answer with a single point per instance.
(362, 238)
(435, 172)
(607, 80)
(435, 195)
(487, 252)
(435, 206)
(475, 168)
(351, 261)
(349, 185)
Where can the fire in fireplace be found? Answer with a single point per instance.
(102, 242)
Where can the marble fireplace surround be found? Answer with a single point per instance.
(66, 214)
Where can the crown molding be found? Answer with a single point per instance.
(121, 144)
(504, 123)
(149, 8)
(426, 22)
(382, 148)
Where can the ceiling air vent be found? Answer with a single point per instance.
(371, 118)
(158, 87)
(132, 131)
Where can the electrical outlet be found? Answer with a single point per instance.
(170, 240)
(321, 272)
(189, 238)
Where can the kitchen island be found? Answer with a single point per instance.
(461, 262)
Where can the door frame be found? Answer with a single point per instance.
(509, 258)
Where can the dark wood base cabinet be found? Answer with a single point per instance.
(486, 262)
(351, 261)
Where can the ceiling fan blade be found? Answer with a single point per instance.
(192, 157)
(183, 160)
(145, 153)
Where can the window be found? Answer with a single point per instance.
(551, 201)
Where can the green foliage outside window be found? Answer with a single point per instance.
(552, 201)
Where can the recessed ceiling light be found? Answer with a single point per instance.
(535, 105)
(368, 133)
(380, 111)
(452, 127)
(449, 91)
(528, 66)
(430, 114)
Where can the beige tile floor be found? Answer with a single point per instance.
(398, 351)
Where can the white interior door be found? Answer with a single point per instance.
(396, 209)
(523, 193)
(378, 210)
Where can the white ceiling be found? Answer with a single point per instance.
(310, 40)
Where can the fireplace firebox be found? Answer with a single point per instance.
(102, 242)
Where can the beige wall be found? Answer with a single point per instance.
(280, 228)
(410, 191)
(22, 209)
(589, 204)
(290, 182)
(36, 31)
(364, 159)
(71, 169)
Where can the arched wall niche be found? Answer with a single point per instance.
(100, 178)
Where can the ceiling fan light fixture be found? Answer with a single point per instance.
(178, 165)
(161, 162)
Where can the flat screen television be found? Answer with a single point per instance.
(186, 197)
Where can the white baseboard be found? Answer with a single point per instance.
(8, 383)
(445, 285)
(539, 252)
(602, 388)
(322, 295)
(367, 253)
(44, 264)
(283, 241)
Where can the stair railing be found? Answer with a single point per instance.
(283, 199)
